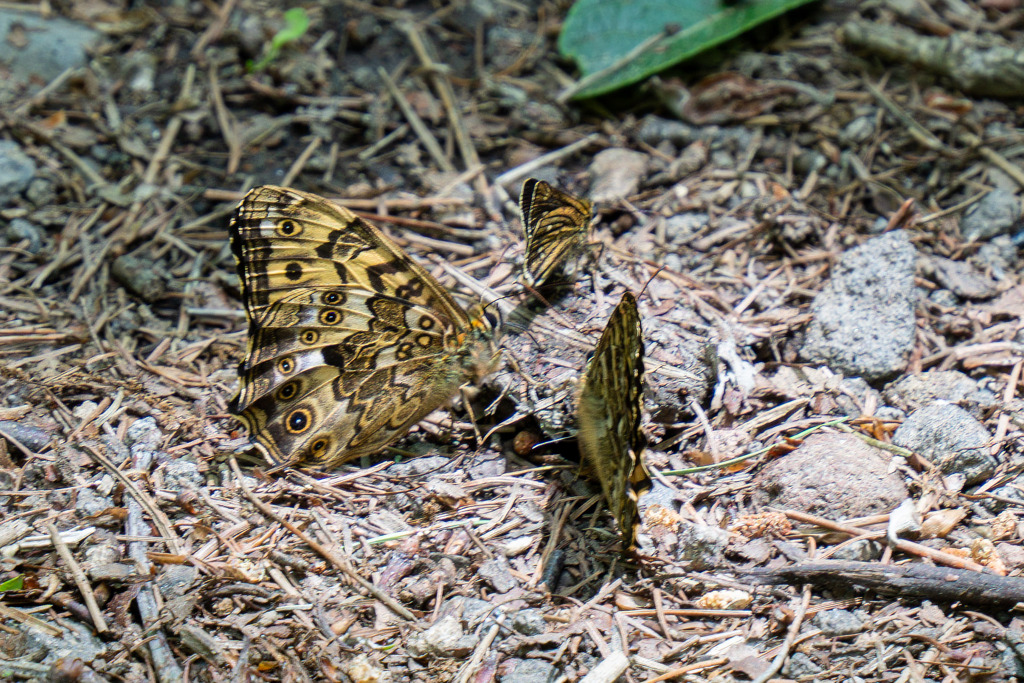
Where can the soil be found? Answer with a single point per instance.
(821, 234)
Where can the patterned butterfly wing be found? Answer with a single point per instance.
(351, 342)
(556, 226)
(609, 416)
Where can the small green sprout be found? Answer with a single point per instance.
(296, 23)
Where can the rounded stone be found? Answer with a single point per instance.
(832, 475)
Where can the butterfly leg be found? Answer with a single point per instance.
(464, 391)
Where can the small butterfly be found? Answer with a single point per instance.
(351, 342)
(609, 409)
(556, 226)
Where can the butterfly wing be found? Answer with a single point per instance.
(351, 342)
(556, 226)
(609, 416)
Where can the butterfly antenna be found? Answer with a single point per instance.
(649, 280)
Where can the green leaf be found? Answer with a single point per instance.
(14, 584)
(296, 23)
(600, 34)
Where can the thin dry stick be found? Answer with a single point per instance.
(79, 577)
(420, 128)
(995, 158)
(689, 668)
(609, 670)
(794, 629)
(523, 170)
(659, 608)
(44, 92)
(226, 123)
(549, 549)
(478, 654)
(214, 30)
(163, 150)
(444, 88)
(160, 520)
(919, 132)
(956, 208)
(1004, 417)
(906, 546)
(86, 276)
(22, 617)
(300, 163)
(338, 562)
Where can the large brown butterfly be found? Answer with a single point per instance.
(556, 226)
(608, 409)
(351, 342)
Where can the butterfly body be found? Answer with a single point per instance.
(351, 342)
(556, 225)
(608, 410)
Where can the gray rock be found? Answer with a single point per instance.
(998, 256)
(1014, 491)
(91, 503)
(418, 466)
(16, 170)
(1012, 664)
(531, 671)
(861, 550)
(681, 227)
(486, 465)
(41, 192)
(993, 215)
(834, 475)
(529, 622)
(471, 611)
(144, 433)
(1011, 554)
(962, 278)
(102, 553)
(75, 640)
(496, 573)
(838, 622)
(702, 546)
(722, 158)
(695, 361)
(34, 46)
(660, 494)
(854, 394)
(858, 130)
(32, 438)
(139, 276)
(616, 174)
(915, 391)
(267, 618)
(113, 571)
(182, 475)
(863, 321)
(879, 226)
(444, 638)
(949, 437)
(506, 45)
(944, 298)
(176, 580)
(19, 230)
(654, 129)
(799, 665)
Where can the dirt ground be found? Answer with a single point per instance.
(819, 219)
